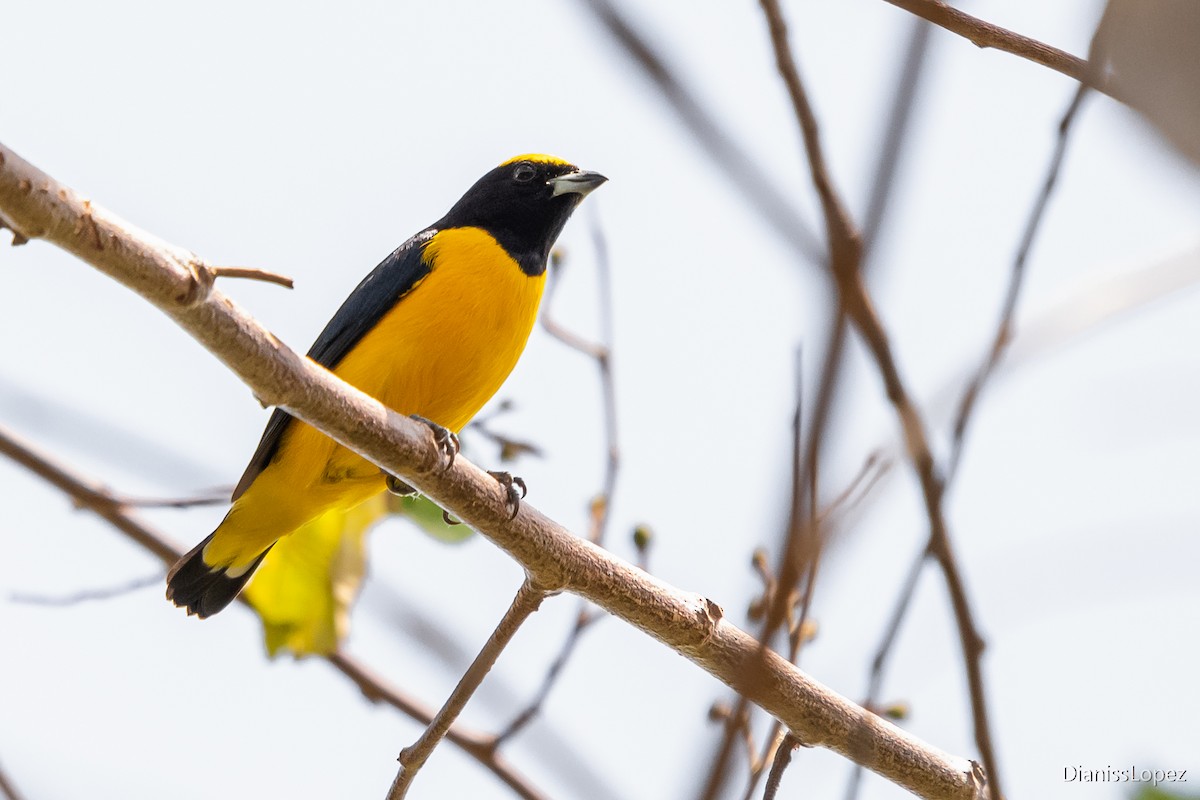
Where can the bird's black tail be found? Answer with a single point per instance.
(205, 590)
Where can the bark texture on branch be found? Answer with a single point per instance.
(176, 281)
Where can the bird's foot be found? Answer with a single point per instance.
(445, 439)
(514, 490)
(397, 486)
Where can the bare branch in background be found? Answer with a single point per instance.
(600, 352)
(875, 682)
(985, 34)
(1102, 303)
(1005, 326)
(479, 746)
(777, 604)
(583, 620)
(757, 188)
(528, 599)
(86, 595)
(89, 495)
(510, 448)
(7, 789)
(692, 626)
(601, 505)
(845, 249)
(215, 497)
(967, 402)
(761, 194)
(896, 130)
(811, 535)
(52, 420)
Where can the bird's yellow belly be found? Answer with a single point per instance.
(441, 352)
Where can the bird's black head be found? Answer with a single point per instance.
(524, 203)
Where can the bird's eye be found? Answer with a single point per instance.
(524, 173)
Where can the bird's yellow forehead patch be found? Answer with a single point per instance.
(538, 158)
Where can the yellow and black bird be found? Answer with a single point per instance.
(432, 332)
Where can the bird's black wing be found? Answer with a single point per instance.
(395, 277)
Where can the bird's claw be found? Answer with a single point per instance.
(445, 439)
(514, 490)
(397, 486)
(449, 520)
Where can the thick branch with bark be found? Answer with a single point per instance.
(180, 285)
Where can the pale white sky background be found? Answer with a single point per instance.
(312, 142)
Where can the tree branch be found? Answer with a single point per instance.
(86, 595)
(601, 353)
(779, 763)
(758, 188)
(1006, 324)
(890, 150)
(529, 598)
(7, 789)
(255, 274)
(845, 263)
(985, 34)
(95, 498)
(39, 207)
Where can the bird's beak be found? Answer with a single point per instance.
(579, 182)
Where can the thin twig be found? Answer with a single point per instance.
(779, 763)
(89, 495)
(897, 125)
(55, 420)
(528, 599)
(800, 633)
(480, 747)
(253, 274)
(510, 448)
(874, 467)
(798, 630)
(891, 148)
(1101, 304)
(601, 353)
(583, 620)
(1005, 326)
(7, 789)
(215, 498)
(875, 683)
(593, 350)
(967, 402)
(985, 34)
(86, 595)
(758, 188)
(845, 263)
(801, 549)
(970, 396)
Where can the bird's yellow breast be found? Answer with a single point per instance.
(441, 352)
(449, 344)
